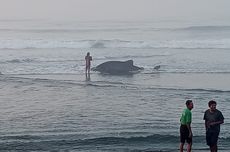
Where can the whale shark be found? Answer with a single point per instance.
(117, 67)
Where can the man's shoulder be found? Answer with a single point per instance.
(218, 112)
(186, 110)
(206, 111)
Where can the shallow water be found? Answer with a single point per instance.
(47, 104)
(49, 113)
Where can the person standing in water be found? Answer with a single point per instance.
(185, 128)
(88, 60)
(213, 118)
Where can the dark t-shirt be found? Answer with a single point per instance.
(212, 117)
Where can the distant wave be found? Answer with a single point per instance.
(207, 28)
(20, 61)
(209, 90)
(188, 89)
(99, 84)
(29, 60)
(115, 43)
(118, 57)
(117, 29)
(70, 30)
(49, 82)
(149, 70)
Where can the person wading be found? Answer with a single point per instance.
(88, 60)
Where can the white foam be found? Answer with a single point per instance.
(52, 44)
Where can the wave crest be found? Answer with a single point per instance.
(72, 44)
(33, 143)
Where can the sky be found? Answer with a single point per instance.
(91, 10)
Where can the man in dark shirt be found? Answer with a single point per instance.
(213, 118)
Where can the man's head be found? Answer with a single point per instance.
(212, 105)
(189, 104)
(88, 53)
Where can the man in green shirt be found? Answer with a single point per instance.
(185, 128)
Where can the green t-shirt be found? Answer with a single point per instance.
(186, 117)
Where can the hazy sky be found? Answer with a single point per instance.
(114, 9)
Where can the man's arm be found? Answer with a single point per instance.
(206, 124)
(216, 122)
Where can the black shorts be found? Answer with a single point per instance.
(184, 134)
(212, 137)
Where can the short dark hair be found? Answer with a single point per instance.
(211, 102)
(188, 102)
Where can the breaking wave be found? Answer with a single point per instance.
(115, 43)
(34, 143)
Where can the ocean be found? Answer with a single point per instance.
(47, 103)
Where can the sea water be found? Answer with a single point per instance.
(47, 103)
